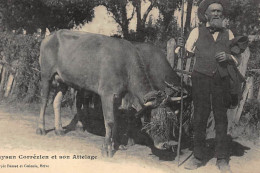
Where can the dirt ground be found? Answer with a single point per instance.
(18, 138)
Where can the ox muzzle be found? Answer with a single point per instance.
(162, 109)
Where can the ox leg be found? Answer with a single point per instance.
(109, 121)
(57, 106)
(76, 122)
(44, 99)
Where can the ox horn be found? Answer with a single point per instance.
(174, 99)
(148, 104)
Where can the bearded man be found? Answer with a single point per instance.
(209, 44)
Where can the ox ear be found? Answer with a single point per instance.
(141, 113)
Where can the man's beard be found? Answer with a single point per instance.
(216, 23)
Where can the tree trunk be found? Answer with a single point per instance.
(139, 25)
(188, 18)
(125, 31)
(125, 22)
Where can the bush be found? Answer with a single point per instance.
(22, 52)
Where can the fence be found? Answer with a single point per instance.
(7, 80)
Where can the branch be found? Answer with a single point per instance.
(114, 11)
(35, 69)
(147, 12)
(117, 20)
(132, 15)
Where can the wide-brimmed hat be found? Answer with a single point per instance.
(205, 4)
(238, 45)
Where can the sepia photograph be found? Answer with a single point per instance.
(165, 86)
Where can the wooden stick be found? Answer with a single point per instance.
(242, 102)
(183, 71)
(251, 89)
(258, 95)
(187, 69)
(255, 71)
(9, 85)
(2, 79)
(181, 113)
(7, 66)
(244, 61)
(171, 45)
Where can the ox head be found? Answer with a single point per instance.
(162, 112)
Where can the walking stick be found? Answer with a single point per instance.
(181, 55)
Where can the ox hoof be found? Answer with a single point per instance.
(130, 142)
(79, 129)
(75, 126)
(40, 131)
(60, 132)
(107, 152)
(71, 127)
(122, 147)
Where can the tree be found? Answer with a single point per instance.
(119, 10)
(140, 26)
(244, 16)
(166, 9)
(51, 14)
(188, 18)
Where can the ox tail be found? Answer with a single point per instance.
(48, 56)
(48, 43)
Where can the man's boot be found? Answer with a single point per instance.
(194, 163)
(223, 166)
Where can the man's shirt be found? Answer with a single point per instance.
(194, 35)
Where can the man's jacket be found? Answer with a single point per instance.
(207, 48)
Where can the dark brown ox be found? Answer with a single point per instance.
(107, 66)
(159, 71)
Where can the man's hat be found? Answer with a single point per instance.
(238, 45)
(205, 4)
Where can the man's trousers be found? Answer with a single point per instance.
(208, 93)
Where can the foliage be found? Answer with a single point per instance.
(51, 14)
(249, 123)
(245, 16)
(119, 10)
(22, 52)
(249, 126)
(158, 33)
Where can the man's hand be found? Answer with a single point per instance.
(180, 42)
(223, 56)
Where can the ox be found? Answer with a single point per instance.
(107, 66)
(159, 71)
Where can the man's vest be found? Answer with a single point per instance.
(206, 49)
